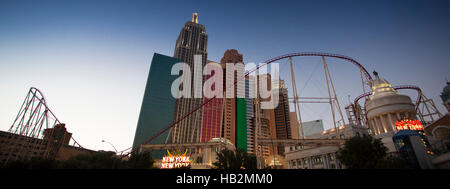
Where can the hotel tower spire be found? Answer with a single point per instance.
(191, 41)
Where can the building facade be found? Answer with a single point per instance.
(212, 114)
(312, 127)
(410, 145)
(54, 145)
(235, 115)
(294, 125)
(209, 155)
(438, 134)
(158, 103)
(191, 41)
(268, 114)
(250, 113)
(445, 96)
(384, 108)
(323, 157)
(282, 117)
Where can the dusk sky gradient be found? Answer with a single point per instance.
(91, 58)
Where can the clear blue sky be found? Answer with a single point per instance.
(91, 58)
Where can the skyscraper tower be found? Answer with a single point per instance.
(250, 113)
(282, 117)
(158, 104)
(235, 109)
(212, 113)
(191, 41)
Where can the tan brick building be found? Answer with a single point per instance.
(55, 144)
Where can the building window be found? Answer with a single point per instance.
(305, 161)
(330, 157)
(317, 160)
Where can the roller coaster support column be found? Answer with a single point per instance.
(362, 81)
(335, 95)
(329, 81)
(296, 103)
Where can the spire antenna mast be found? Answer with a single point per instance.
(195, 17)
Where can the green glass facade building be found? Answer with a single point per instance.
(158, 104)
(241, 123)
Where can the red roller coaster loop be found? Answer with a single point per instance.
(366, 73)
(34, 116)
(419, 91)
(427, 114)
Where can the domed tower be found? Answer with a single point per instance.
(386, 106)
(445, 96)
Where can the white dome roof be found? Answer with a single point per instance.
(381, 87)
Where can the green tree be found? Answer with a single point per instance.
(368, 153)
(42, 163)
(97, 160)
(250, 161)
(392, 162)
(228, 159)
(142, 160)
(362, 152)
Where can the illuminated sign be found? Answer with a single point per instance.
(175, 160)
(414, 125)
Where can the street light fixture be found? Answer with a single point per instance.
(111, 145)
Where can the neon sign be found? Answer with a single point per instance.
(175, 160)
(414, 125)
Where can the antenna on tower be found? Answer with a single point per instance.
(195, 17)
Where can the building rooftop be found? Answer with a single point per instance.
(381, 87)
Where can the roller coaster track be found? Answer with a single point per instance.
(34, 116)
(265, 63)
(419, 91)
(421, 100)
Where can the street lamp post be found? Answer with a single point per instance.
(111, 145)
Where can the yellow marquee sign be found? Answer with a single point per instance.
(175, 160)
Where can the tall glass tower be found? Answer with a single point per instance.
(158, 103)
(191, 41)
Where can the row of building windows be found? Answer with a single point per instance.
(315, 162)
(6, 154)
